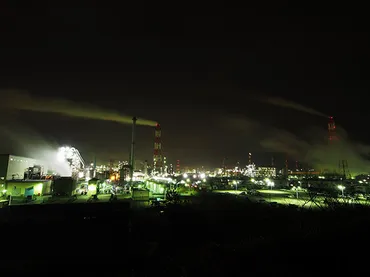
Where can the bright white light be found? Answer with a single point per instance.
(158, 178)
(250, 170)
(72, 156)
(269, 182)
(185, 175)
(91, 187)
(60, 156)
(202, 175)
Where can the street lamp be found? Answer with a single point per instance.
(235, 183)
(342, 188)
(269, 183)
(296, 189)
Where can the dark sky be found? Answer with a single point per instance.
(197, 75)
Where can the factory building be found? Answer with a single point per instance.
(28, 187)
(266, 171)
(21, 168)
(22, 176)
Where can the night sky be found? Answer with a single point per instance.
(204, 78)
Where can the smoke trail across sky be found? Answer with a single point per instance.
(19, 100)
(291, 105)
(310, 147)
(23, 141)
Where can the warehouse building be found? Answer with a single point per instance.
(28, 187)
(21, 168)
(22, 176)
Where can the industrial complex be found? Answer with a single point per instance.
(27, 179)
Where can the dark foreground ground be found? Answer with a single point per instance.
(217, 236)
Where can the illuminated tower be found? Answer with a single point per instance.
(164, 166)
(249, 158)
(157, 156)
(178, 167)
(224, 167)
(331, 130)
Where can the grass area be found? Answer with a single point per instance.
(292, 201)
(286, 197)
(272, 191)
(264, 191)
(237, 192)
(278, 196)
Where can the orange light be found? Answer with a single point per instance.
(113, 178)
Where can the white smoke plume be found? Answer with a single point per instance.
(22, 101)
(19, 140)
(276, 101)
(312, 148)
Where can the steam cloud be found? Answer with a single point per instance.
(291, 105)
(311, 148)
(17, 100)
(23, 141)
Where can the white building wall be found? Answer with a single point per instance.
(18, 165)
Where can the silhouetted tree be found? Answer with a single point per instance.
(172, 197)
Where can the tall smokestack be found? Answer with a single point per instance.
(132, 154)
(178, 171)
(146, 167)
(331, 130)
(94, 172)
(157, 156)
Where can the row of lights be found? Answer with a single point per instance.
(201, 176)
